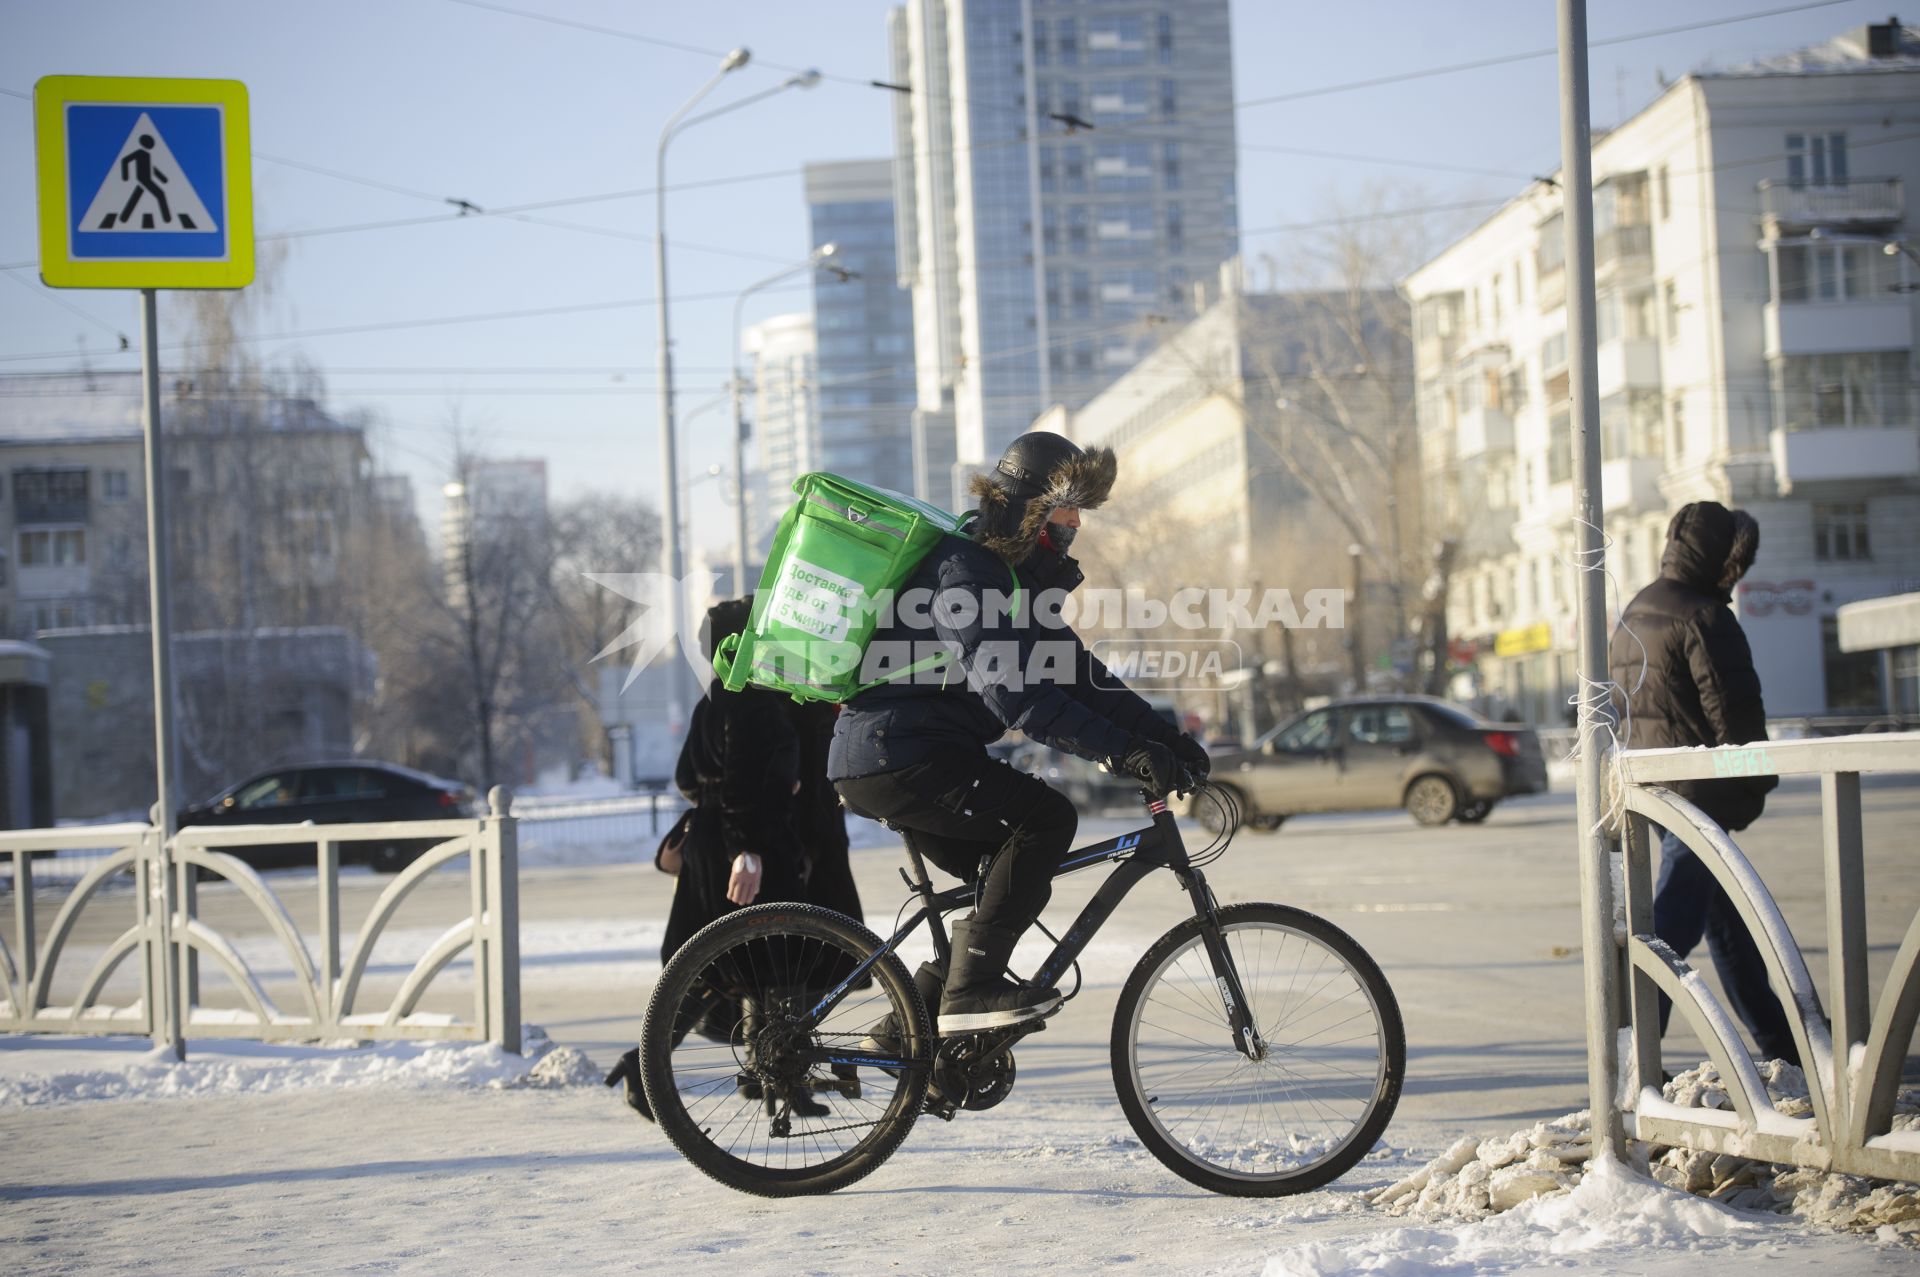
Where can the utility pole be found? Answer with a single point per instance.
(1601, 955)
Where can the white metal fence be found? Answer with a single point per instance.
(1853, 1055)
(167, 935)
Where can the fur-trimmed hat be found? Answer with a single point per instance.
(1039, 473)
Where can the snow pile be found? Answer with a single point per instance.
(1473, 1180)
(47, 1070)
(564, 1066)
(1476, 1178)
(1612, 1210)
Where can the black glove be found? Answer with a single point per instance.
(1190, 754)
(1153, 765)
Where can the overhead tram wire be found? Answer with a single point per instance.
(1155, 131)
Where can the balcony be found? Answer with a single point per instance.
(1483, 430)
(1862, 201)
(1835, 327)
(1631, 483)
(1839, 453)
(1631, 363)
(1624, 250)
(1551, 290)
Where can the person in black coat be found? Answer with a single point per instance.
(1683, 676)
(740, 769)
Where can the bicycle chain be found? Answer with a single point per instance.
(827, 1130)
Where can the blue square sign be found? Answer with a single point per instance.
(145, 182)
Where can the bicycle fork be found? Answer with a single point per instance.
(1226, 975)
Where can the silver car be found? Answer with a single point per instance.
(1439, 761)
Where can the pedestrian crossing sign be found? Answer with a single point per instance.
(144, 183)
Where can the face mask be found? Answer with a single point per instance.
(1057, 537)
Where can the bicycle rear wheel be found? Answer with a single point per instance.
(755, 1096)
(1298, 1117)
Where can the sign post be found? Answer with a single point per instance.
(147, 184)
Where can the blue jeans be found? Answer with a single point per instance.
(1689, 902)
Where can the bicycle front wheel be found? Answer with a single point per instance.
(1325, 1085)
(754, 1092)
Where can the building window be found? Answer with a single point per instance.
(1815, 392)
(1040, 51)
(1123, 168)
(1832, 272)
(113, 485)
(1169, 98)
(1176, 230)
(53, 548)
(1170, 165)
(1852, 678)
(1163, 39)
(1119, 41)
(1493, 296)
(1073, 166)
(1076, 228)
(1666, 193)
(1840, 532)
(1047, 182)
(1080, 294)
(1068, 42)
(1179, 290)
(1049, 230)
(1671, 292)
(1816, 159)
(1677, 427)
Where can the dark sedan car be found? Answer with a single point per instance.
(1439, 761)
(333, 794)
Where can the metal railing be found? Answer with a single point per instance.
(168, 936)
(1853, 1058)
(1859, 199)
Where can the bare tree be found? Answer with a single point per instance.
(596, 532)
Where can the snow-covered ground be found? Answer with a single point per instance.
(252, 1158)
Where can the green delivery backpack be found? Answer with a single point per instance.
(838, 555)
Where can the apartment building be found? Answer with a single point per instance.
(1757, 300)
(1065, 168)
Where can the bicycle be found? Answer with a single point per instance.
(1257, 1049)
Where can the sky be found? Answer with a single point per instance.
(368, 115)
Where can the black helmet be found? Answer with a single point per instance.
(1029, 461)
(1039, 472)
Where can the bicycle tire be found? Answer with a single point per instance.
(708, 1102)
(1229, 1147)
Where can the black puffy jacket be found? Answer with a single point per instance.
(1085, 711)
(1698, 685)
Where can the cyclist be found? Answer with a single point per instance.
(913, 754)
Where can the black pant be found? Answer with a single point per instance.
(959, 806)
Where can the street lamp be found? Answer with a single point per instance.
(671, 560)
(819, 257)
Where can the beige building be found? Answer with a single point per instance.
(1756, 312)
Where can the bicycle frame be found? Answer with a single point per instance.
(1135, 855)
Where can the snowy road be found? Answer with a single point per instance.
(1476, 928)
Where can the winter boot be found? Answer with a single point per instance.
(884, 1036)
(627, 1072)
(978, 994)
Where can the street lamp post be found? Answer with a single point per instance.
(671, 559)
(821, 256)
